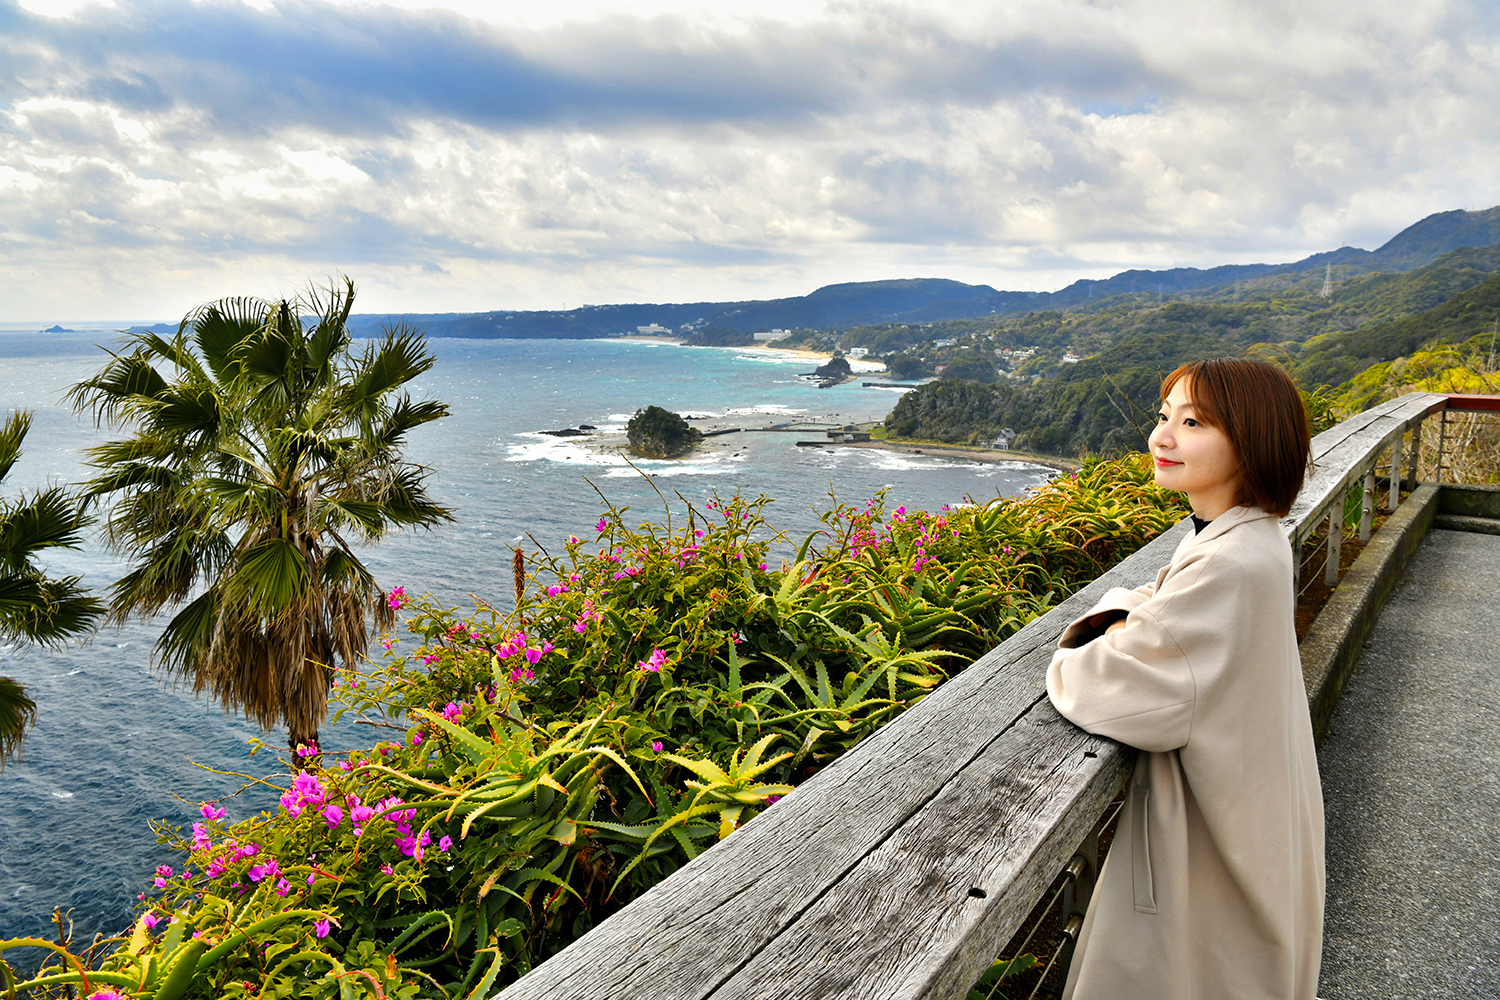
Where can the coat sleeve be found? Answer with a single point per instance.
(1139, 684)
(1115, 599)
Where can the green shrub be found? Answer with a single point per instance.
(656, 687)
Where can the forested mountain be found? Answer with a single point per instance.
(925, 300)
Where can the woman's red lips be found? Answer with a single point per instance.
(1165, 462)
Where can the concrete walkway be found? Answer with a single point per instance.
(1411, 781)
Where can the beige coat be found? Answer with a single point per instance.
(1213, 888)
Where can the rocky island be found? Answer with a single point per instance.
(835, 372)
(658, 433)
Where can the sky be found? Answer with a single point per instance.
(462, 156)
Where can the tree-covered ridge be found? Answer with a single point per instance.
(1336, 357)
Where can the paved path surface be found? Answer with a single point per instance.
(1411, 781)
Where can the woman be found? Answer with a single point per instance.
(1214, 883)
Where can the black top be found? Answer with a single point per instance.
(1199, 524)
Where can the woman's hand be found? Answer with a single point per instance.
(1114, 625)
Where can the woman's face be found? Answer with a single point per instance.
(1193, 457)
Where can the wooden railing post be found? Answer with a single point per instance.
(1367, 506)
(1335, 539)
(1395, 500)
(1437, 475)
(1416, 453)
(1080, 889)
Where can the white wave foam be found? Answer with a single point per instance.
(773, 408)
(62, 795)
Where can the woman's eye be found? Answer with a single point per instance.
(1191, 422)
(1161, 418)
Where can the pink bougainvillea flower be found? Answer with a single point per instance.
(151, 920)
(451, 711)
(283, 887)
(533, 656)
(333, 816)
(398, 597)
(344, 765)
(654, 662)
(416, 738)
(561, 588)
(164, 871)
(761, 566)
(107, 995)
(321, 928)
(601, 525)
(388, 869)
(312, 877)
(446, 844)
(656, 745)
(210, 812)
(201, 841)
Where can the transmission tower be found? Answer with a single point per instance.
(1327, 291)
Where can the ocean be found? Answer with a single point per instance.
(117, 746)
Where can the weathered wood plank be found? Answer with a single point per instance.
(905, 920)
(693, 930)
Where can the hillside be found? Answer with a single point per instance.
(1337, 357)
(928, 300)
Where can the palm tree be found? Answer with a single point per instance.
(263, 445)
(34, 606)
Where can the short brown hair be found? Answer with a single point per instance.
(1259, 409)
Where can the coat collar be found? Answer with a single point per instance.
(1225, 521)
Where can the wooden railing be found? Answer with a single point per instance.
(902, 869)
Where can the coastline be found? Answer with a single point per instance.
(792, 352)
(968, 454)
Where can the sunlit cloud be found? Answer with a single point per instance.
(456, 157)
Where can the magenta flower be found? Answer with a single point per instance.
(164, 871)
(283, 887)
(656, 745)
(559, 589)
(397, 598)
(201, 841)
(451, 712)
(654, 662)
(446, 844)
(107, 995)
(333, 816)
(388, 869)
(601, 525)
(304, 751)
(151, 920)
(211, 813)
(312, 877)
(344, 765)
(533, 656)
(321, 928)
(416, 738)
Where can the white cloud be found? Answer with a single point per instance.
(474, 159)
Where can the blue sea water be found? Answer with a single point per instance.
(117, 746)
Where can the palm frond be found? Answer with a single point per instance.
(11, 436)
(50, 519)
(17, 714)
